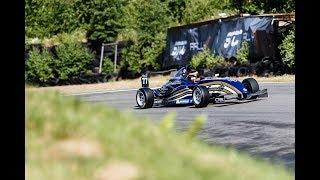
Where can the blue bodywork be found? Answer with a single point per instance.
(178, 90)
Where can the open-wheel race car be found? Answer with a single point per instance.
(185, 88)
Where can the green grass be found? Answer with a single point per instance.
(153, 151)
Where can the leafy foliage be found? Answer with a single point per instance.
(199, 10)
(177, 8)
(287, 49)
(44, 18)
(142, 23)
(73, 59)
(243, 53)
(39, 66)
(101, 18)
(263, 6)
(205, 59)
(107, 66)
(148, 22)
(76, 36)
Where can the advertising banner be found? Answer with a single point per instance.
(223, 37)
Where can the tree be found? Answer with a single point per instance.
(40, 66)
(176, 8)
(73, 59)
(263, 6)
(147, 21)
(199, 10)
(243, 53)
(101, 18)
(206, 59)
(287, 49)
(45, 18)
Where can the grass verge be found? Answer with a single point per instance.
(69, 139)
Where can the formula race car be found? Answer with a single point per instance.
(187, 88)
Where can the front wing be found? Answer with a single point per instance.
(260, 94)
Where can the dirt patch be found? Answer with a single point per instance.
(283, 78)
(117, 170)
(115, 85)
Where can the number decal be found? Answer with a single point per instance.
(144, 80)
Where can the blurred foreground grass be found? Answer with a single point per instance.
(69, 139)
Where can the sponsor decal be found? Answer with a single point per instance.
(182, 101)
(195, 47)
(233, 80)
(231, 39)
(179, 49)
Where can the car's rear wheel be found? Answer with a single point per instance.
(145, 98)
(251, 85)
(200, 96)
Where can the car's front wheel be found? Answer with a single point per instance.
(145, 98)
(251, 85)
(200, 96)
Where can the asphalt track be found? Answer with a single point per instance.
(265, 128)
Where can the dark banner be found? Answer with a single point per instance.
(223, 37)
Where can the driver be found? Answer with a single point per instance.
(193, 76)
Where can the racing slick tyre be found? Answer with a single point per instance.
(145, 98)
(251, 85)
(200, 96)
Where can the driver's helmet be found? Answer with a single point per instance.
(192, 74)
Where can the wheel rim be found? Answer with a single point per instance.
(141, 100)
(197, 96)
(248, 87)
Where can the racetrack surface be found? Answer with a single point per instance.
(265, 127)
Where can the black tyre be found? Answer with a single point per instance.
(251, 85)
(200, 96)
(145, 98)
(242, 71)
